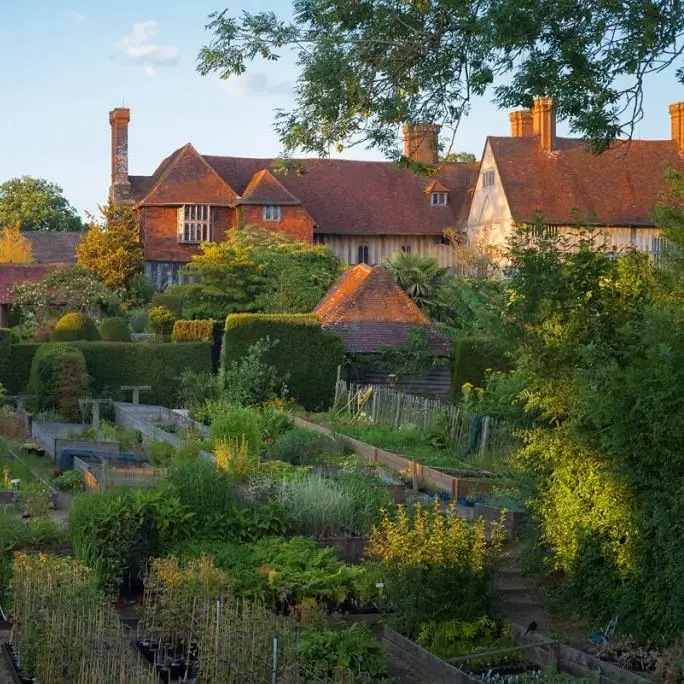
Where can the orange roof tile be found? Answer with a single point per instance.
(571, 185)
(264, 188)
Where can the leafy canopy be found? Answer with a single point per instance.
(258, 270)
(367, 66)
(15, 248)
(36, 204)
(112, 248)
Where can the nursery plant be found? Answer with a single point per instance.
(300, 446)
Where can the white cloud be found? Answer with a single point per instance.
(255, 84)
(140, 49)
(78, 17)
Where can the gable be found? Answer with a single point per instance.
(188, 179)
(489, 204)
(264, 188)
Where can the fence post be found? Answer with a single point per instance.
(485, 435)
(274, 669)
(414, 473)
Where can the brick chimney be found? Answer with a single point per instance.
(521, 123)
(544, 122)
(120, 190)
(421, 142)
(677, 122)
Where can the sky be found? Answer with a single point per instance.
(66, 63)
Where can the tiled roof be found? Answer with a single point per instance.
(343, 197)
(369, 311)
(264, 188)
(186, 176)
(569, 185)
(14, 274)
(49, 247)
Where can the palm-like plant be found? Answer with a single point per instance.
(421, 277)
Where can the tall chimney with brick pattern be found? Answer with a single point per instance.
(677, 122)
(521, 123)
(544, 122)
(120, 190)
(421, 142)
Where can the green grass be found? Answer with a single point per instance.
(408, 442)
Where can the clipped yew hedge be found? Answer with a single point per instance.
(113, 364)
(304, 351)
(193, 331)
(472, 358)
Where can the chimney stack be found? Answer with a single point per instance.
(677, 123)
(544, 122)
(121, 187)
(421, 142)
(521, 123)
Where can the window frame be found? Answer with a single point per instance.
(488, 178)
(195, 224)
(439, 198)
(271, 212)
(365, 251)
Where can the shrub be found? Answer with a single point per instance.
(306, 355)
(193, 331)
(138, 320)
(472, 358)
(75, 326)
(70, 481)
(115, 330)
(235, 423)
(169, 301)
(160, 453)
(116, 532)
(58, 379)
(161, 321)
(300, 446)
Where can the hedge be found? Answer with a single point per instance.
(472, 358)
(193, 331)
(115, 330)
(309, 355)
(113, 364)
(75, 326)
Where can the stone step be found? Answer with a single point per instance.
(507, 585)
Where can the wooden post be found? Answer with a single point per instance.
(414, 473)
(485, 435)
(96, 414)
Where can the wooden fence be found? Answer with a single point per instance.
(475, 438)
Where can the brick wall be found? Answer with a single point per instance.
(160, 233)
(295, 221)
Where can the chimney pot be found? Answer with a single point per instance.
(121, 187)
(421, 142)
(521, 123)
(544, 122)
(677, 123)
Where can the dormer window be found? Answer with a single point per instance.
(194, 223)
(439, 199)
(271, 212)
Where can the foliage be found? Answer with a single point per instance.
(115, 330)
(473, 358)
(171, 299)
(281, 571)
(58, 379)
(112, 249)
(69, 481)
(196, 390)
(300, 446)
(258, 270)
(337, 651)
(70, 288)
(138, 320)
(421, 277)
(250, 379)
(378, 70)
(458, 158)
(306, 355)
(234, 422)
(161, 321)
(448, 558)
(453, 638)
(414, 359)
(235, 457)
(75, 326)
(192, 331)
(115, 532)
(160, 453)
(15, 248)
(325, 507)
(36, 204)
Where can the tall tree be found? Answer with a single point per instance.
(366, 66)
(112, 248)
(15, 248)
(458, 157)
(36, 204)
